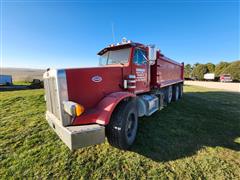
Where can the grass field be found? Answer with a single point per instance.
(196, 137)
(21, 83)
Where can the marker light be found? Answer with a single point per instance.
(79, 109)
(72, 108)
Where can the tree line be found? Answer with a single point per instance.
(198, 70)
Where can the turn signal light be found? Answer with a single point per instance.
(79, 109)
(72, 108)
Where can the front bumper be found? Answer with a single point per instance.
(76, 137)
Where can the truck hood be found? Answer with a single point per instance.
(87, 86)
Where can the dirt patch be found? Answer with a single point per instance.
(234, 87)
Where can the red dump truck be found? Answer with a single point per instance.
(86, 104)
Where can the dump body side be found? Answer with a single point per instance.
(166, 72)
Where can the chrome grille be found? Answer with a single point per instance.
(51, 93)
(55, 84)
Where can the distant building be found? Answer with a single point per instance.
(209, 76)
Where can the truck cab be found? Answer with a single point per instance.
(86, 104)
(225, 78)
(132, 58)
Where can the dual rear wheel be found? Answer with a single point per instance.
(173, 93)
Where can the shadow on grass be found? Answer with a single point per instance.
(14, 88)
(199, 119)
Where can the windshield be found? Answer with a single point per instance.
(120, 56)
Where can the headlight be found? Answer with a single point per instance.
(72, 108)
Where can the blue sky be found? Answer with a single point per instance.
(41, 34)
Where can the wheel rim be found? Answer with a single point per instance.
(131, 123)
(177, 92)
(170, 94)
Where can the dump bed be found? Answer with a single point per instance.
(166, 72)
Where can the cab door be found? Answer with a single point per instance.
(141, 70)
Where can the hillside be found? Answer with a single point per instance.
(23, 74)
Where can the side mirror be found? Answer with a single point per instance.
(152, 53)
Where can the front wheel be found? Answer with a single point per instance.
(122, 128)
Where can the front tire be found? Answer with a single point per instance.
(122, 128)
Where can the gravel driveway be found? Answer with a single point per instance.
(235, 87)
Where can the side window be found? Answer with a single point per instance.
(139, 57)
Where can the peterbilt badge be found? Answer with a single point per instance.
(96, 78)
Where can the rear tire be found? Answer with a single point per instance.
(180, 90)
(168, 94)
(175, 92)
(122, 128)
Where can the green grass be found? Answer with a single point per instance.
(196, 137)
(21, 83)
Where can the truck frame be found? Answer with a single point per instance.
(85, 105)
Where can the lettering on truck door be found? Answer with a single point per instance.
(140, 68)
